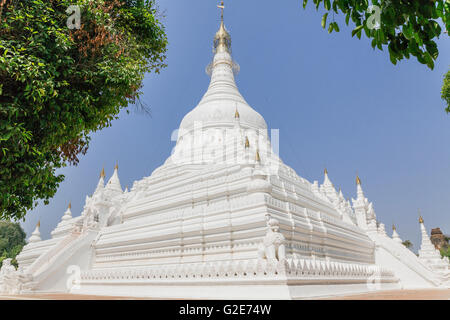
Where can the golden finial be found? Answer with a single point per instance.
(358, 180)
(258, 158)
(236, 114)
(116, 167)
(420, 216)
(393, 227)
(38, 225)
(221, 6)
(325, 171)
(222, 39)
(70, 205)
(102, 173)
(247, 143)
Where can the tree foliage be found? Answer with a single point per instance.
(408, 244)
(58, 85)
(445, 249)
(12, 240)
(407, 28)
(446, 91)
(445, 252)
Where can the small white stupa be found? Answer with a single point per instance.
(68, 214)
(36, 235)
(395, 235)
(429, 254)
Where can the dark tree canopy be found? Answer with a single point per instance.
(12, 240)
(58, 85)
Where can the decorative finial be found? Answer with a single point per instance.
(258, 158)
(420, 216)
(222, 39)
(247, 143)
(236, 114)
(325, 171)
(38, 225)
(102, 173)
(70, 205)
(393, 227)
(358, 180)
(221, 6)
(116, 167)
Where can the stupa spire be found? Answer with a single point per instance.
(222, 40)
(395, 235)
(359, 190)
(427, 248)
(326, 180)
(114, 182)
(222, 99)
(68, 214)
(221, 6)
(236, 114)
(257, 157)
(328, 187)
(36, 235)
(101, 181)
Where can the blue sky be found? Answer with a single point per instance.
(337, 103)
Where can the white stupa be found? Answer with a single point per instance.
(395, 235)
(36, 235)
(223, 217)
(430, 255)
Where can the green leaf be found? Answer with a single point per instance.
(324, 20)
(336, 27)
(356, 30)
(347, 18)
(374, 43)
(317, 2)
(429, 60)
(330, 28)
